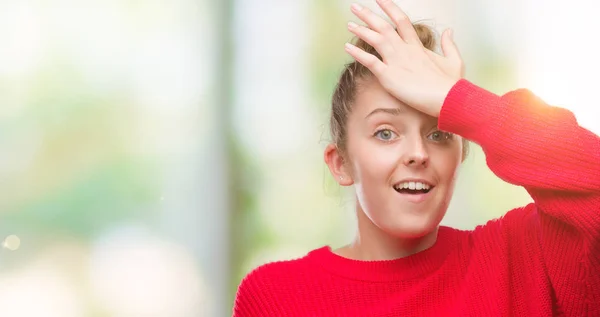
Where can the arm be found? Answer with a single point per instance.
(247, 299)
(531, 144)
(255, 296)
(543, 149)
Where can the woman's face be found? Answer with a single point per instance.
(402, 166)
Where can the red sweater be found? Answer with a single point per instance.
(539, 260)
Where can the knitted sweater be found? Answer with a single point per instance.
(542, 259)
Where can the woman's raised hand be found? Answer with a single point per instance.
(410, 72)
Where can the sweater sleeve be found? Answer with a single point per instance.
(256, 295)
(248, 300)
(542, 148)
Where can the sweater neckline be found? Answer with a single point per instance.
(410, 267)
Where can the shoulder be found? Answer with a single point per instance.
(511, 222)
(278, 271)
(264, 284)
(270, 274)
(513, 228)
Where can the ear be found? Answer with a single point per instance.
(337, 165)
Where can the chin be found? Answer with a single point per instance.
(412, 228)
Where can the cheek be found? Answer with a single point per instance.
(372, 162)
(447, 163)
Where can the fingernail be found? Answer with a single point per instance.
(356, 7)
(348, 46)
(352, 25)
(451, 34)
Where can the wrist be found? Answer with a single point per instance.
(444, 89)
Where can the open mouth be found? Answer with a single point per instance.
(413, 188)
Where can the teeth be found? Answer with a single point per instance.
(413, 186)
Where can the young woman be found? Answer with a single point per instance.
(400, 118)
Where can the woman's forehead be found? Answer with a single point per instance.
(372, 100)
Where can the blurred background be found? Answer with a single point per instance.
(153, 152)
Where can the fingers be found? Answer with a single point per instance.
(449, 47)
(451, 51)
(373, 38)
(374, 21)
(370, 61)
(403, 24)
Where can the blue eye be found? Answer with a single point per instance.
(440, 136)
(385, 134)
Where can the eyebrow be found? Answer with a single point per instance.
(392, 111)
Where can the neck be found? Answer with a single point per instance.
(373, 244)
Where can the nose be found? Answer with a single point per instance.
(415, 154)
